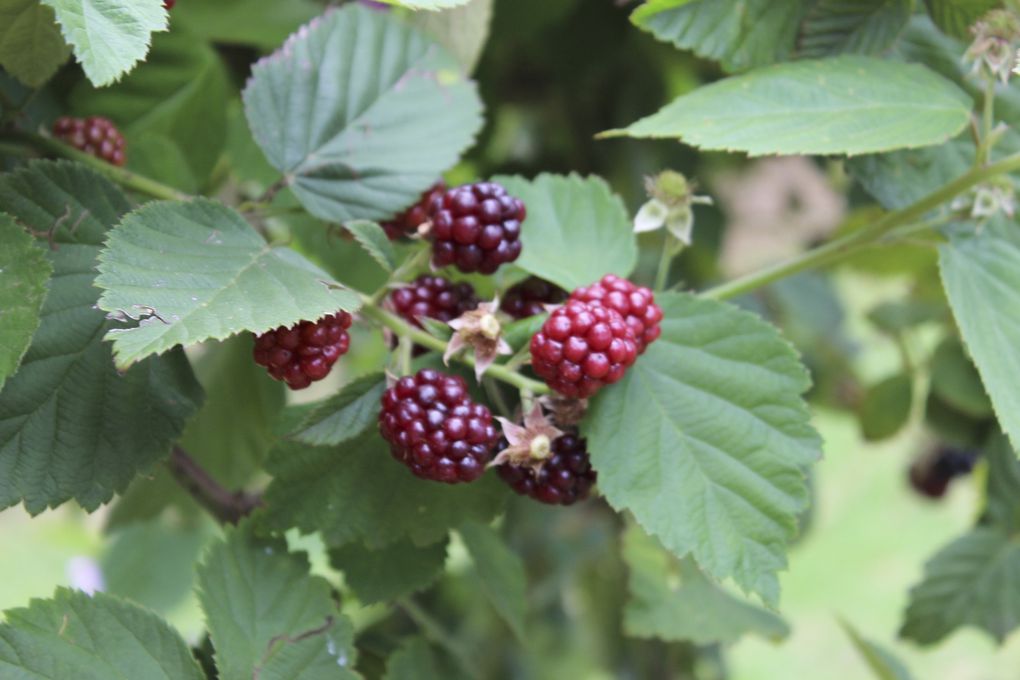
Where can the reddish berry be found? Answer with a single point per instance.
(930, 476)
(407, 222)
(94, 135)
(565, 478)
(169, 4)
(433, 297)
(476, 227)
(635, 304)
(306, 351)
(435, 429)
(582, 347)
(529, 297)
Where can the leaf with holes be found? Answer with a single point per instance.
(24, 273)
(31, 48)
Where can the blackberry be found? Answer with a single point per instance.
(564, 479)
(636, 304)
(434, 428)
(476, 227)
(94, 135)
(582, 347)
(433, 297)
(407, 222)
(931, 475)
(169, 4)
(530, 296)
(306, 351)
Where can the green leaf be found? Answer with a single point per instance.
(896, 317)
(707, 441)
(373, 239)
(858, 26)
(882, 663)
(358, 492)
(500, 571)
(413, 661)
(956, 381)
(71, 425)
(391, 572)
(740, 34)
(672, 600)
(24, 273)
(899, 179)
(885, 409)
(1003, 486)
(577, 230)
(77, 636)
(261, 23)
(108, 36)
(345, 415)
(955, 17)
(431, 5)
(361, 113)
(970, 582)
(31, 48)
(268, 618)
(461, 30)
(981, 275)
(824, 106)
(197, 271)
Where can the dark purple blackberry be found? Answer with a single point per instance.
(434, 428)
(566, 477)
(530, 296)
(931, 475)
(407, 222)
(433, 297)
(476, 227)
(306, 351)
(95, 136)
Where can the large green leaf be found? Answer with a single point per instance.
(501, 572)
(77, 636)
(24, 273)
(197, 271)
(109, 36)
(462, 30)
(31, 48)
(955, 17)
(672, 600)
(268, 618)
(262, 23)
(358, 492)
(981, 274)
(361, 113)
(859, 26)
(391, 572)
(741, 34)
(575, 216)
(903, 177)
(707, 441)
(823, 106)
(345, 415)
(71, 425)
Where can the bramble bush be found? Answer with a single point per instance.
(276, 263)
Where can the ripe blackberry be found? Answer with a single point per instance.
(407, 222)
(434, 427)
(530, 296)
(306, 351)
(636, 304)
(565, 478)
(94, 135)
(476, 227)
(433, 297)
(930, 476)
(582, 347)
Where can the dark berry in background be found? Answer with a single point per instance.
(434, 428)
(635, 304)
(529, 297)
(305, 352)
(566, 478)
(407, 222)
(434, 297)
(95, 135)
(931, 474)
(476, 227)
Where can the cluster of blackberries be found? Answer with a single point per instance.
(94, 135)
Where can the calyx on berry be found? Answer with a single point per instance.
(529, 444)
(480, 330)
(476, 227)
(566, 477)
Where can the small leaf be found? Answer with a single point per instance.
(956, 381)
(577, 230)
(1003, 486)
(197, 271)
(518, 334)
(268, 617)
(413, 661)
(391, 572)
(462, 30)
(501, 572)
(73, 635)
(896, 317)
(345, 415)
(373, 239)
(108, 36)
(31, 47)
(24, 273)
(885, 408)
(882, 663)
(855, 26)
(825, 106)
(673, 601)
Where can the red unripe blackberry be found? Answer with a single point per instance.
(434, 428)
(94, 135)
(530, 296)
(636, 304)
(433, 297)
(407, 222)
(306, 351)
(169, 4)
(582, 347)
(566, 477)
(476, 227)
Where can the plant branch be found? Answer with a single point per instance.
(229, 507)
(836, 250)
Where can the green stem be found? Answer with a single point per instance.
(987, 122)
(665, 260)
(836, 250)
(127, 179)
(403, 329)
(438, 634)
